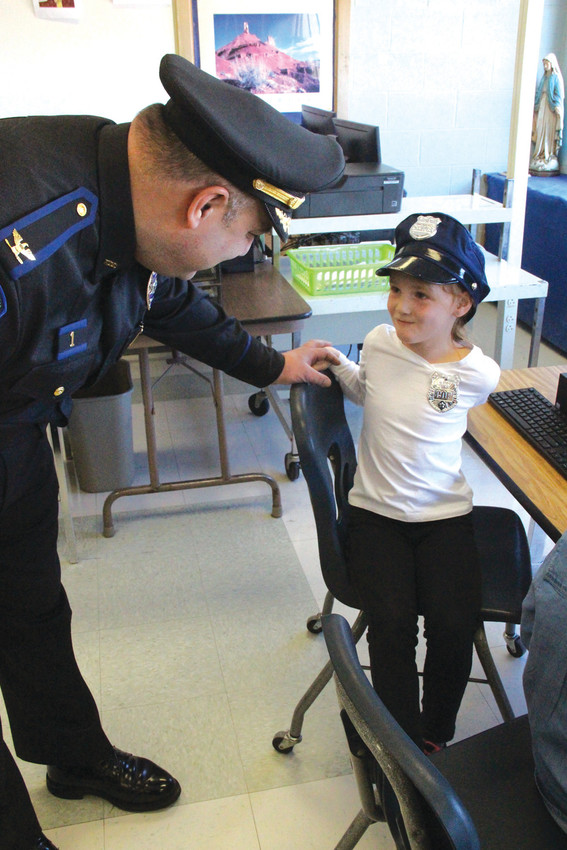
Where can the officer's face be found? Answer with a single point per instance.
(232, 236)
(181, 252)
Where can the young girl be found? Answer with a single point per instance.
(411, 547)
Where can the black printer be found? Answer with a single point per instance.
(365, 188)
(368, 186)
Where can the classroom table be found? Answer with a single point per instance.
(534, 483)
(266, 305)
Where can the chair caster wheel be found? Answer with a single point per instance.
(515, 646)
(314, 624)
(292, 466)
(284, 743)
(258, 404)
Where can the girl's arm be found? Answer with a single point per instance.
(350, 377)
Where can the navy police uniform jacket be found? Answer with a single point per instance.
(72, 296)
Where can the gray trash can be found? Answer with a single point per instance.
(100, 432)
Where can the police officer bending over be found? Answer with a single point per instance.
(101, 228)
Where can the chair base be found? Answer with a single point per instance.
(286, 740)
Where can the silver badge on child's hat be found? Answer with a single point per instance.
(443, 393)
(425, 227)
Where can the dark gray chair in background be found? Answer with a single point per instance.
(477, 794)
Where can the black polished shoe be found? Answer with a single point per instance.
(43, 843)
(130, 782)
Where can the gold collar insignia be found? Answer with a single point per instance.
(19, 247)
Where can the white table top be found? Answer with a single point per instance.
(468, 209)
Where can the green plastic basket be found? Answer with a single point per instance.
(340, 269)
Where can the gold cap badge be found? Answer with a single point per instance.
(280, 195)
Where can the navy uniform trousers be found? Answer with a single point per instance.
(53, 716)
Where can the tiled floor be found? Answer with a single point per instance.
(189, 626)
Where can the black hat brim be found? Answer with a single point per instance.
(429, 272)
(420, 268)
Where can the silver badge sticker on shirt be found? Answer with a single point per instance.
(151, 290)
(443, 392)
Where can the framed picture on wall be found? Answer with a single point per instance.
(58, 10)
(141, 3)
(285, 57)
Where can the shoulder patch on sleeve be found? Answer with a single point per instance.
(32, 239)
(3, 304)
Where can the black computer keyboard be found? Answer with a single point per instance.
(539, 421)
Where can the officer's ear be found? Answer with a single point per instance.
(205, 204)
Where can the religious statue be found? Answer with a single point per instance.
(547, 133)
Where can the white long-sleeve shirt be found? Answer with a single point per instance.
(415, 414)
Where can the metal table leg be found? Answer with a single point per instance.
(155, 486)
(57, 444)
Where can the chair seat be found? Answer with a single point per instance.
(497, 765)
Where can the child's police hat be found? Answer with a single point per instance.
(439, 249)
(246, 141)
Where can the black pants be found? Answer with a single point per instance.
(403, 570)
(52, 714)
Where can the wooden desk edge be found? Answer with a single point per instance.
(499, 445)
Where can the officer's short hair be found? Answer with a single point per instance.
(165, 157)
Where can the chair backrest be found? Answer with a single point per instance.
(328, 461)
(423, 812)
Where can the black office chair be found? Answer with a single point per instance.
(328, 461)
(478, 793)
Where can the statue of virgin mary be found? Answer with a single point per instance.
(547, 133)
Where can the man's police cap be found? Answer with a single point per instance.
(439, 249)
(247, 141)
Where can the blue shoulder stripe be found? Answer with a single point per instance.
(31, 240)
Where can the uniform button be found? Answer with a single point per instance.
(82, 210)
(59, 391)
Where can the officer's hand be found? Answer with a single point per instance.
(304, 364)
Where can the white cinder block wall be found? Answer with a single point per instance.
(105, 64)
(437, 77)
(440, 77)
